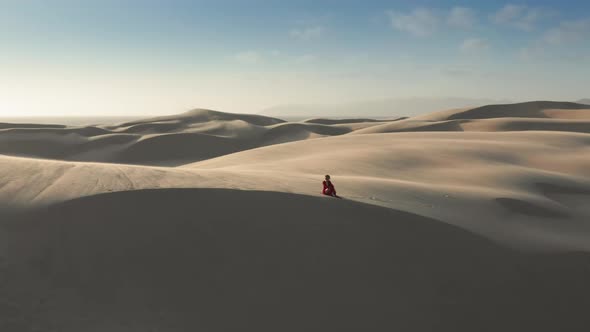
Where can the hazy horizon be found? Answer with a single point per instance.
(146, 58)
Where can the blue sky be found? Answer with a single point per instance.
(132, 57)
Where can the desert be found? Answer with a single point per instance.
(180, 222)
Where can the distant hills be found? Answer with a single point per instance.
(584, 101)
(378, 108)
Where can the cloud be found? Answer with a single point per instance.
(475, 45)
(568, 32)
(462, 17)
(307, 33)
(424, 22)
(420, 22)
(520, 16)
(248, 57)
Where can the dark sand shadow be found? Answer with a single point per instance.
(224, 260)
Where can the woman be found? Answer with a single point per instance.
(329, 189)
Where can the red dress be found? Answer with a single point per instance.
(329, 189)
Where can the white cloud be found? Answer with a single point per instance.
(462, 17)
(307, 33)
(568, 32)
(420, 22)
(248, 57)
(475, 45)
(424, 22)
(520, 16)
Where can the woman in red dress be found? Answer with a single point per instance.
(329, 189)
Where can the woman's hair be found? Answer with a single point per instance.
(327, 177)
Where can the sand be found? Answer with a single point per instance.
(164, 141)
(474, 220)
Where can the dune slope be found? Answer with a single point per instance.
(179, 260)
(466, 179)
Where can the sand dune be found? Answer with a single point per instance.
(203, 134)
(488, 125)
(448, 220)
(29, 125)
(204, 115)
(412, 126)
(170, 140)
(151, 260)
(534, 109)
(531, 116)
(455, 177)
(289, 132)
(519, 124)
(346, 121)
(466, 179)
(180, 146)
(377, 108)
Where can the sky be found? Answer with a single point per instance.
(149, 57)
